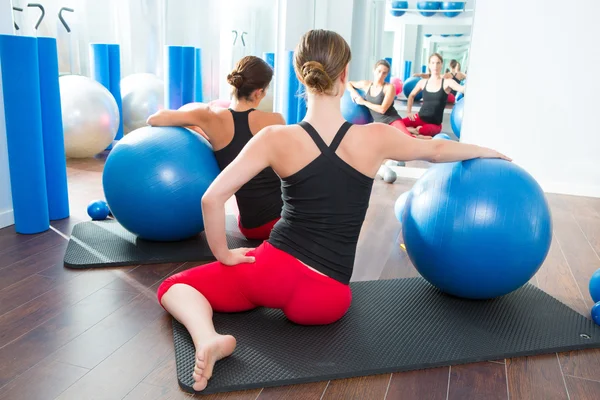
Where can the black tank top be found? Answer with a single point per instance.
(432, 110)
(455, 79)
(390, 114)
(259, 200)
(324, 208)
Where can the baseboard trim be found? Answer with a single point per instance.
(7, 218)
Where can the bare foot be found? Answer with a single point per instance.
(207, 354)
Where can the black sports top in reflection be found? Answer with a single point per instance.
(324, 206)
(259, 200)
(434, 103)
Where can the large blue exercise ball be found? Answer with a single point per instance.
(453, 5)
(477, 229)
(428, 5)
(399, 206)
(409, 86)
(355, 113)
(154, 180)
(398, 8)
(457, 116)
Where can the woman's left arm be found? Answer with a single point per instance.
(252, 159)
(455, 86)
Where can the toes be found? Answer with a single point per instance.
(200, 384)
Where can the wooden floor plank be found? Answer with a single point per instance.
(32, 265)
(45, 381)
(556, 278)
(431, 384)
(480, 381)
(23, 291)
(367, 387)
(39, 244)
(142, 277)
(581, 389)
(40, 309)
(127, 366)
(533, 378)
(579, 254)
(145, 391)
(581, 364)
(307, 391)
(39, 343)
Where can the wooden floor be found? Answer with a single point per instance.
(100, 334)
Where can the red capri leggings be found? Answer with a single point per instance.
(399, 124)
(426, 129)
(275, 280)
(259, 233)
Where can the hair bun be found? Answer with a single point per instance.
(235, 79)
(315, 77)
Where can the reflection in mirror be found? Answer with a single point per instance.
(418, 79)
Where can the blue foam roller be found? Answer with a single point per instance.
(407, 69)
(423, 69)
(292, 85)
(114, 63)
(100, 64)
(187, 71)
(52, 130)
(173, 77)
(23, 115)
(270, 59)
(198, 97)
(389, 75)
(302, 107)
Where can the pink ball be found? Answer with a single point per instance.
(397, 82)
(220, 103)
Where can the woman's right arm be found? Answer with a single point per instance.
(353, 85)
(397, 146)
(411, 99)
(196, 116)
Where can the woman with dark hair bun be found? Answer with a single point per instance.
(228, 131)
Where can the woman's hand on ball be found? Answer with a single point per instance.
(237, 256)
(490, 153)
(359, 100)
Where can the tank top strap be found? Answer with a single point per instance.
(339, 136)
(314, 135)
(337, 139)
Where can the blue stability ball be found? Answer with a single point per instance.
(409, 85)
(154, 180)
(397, 7)
(98, 210)
(441, 136)
(596, 313)
(594, 286)
(457, 116)
(477, 229)
(399, 205)
(459, 96)
(452, 5)
(355, 113)
(428, 5)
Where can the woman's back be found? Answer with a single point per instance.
(325, 196)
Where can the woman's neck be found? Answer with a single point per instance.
(436, 75)
(379, 83)
(242, 104)
(324, 110)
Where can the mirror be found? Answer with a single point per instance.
(411, 32)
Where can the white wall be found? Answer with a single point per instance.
(6, 208)
(547, 124)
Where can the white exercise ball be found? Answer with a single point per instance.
(142, 95)
(90, 116)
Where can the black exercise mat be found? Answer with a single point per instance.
(392, 326)
(107, 244)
